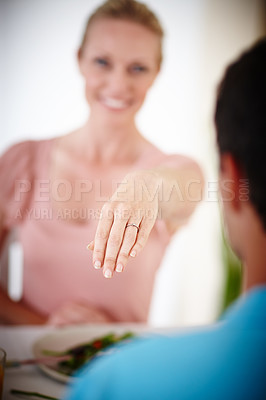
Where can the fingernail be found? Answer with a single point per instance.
(133, 253)
(108, 273)
(119, 268)
(89, 245)
(97, 264)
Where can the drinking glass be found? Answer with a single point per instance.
(2, 370)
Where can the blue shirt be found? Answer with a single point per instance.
(227, 361)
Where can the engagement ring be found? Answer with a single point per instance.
(136, 226)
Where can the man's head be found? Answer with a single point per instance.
(240, 120)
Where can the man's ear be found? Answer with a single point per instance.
(230, 180)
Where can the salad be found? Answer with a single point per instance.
(82, 353)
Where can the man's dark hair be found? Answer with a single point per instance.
(240, 120)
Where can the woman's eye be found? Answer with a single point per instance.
(138, 68)
(101, 61)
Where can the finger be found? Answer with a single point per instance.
(142, 237)
(113, 246)
(129, 239)
(102, 235)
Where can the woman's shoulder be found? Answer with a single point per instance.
(17, 157)
(19, 166)
(24, 148)
(21, 162)
(23, 155)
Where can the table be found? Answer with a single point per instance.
(18, 341)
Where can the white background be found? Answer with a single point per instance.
(42, 96)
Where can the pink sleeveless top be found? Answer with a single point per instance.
(57, 266)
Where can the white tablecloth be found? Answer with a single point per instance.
(18, 341)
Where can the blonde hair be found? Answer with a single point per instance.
(130, 10)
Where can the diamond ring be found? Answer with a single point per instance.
(136, 226)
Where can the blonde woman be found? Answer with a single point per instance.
(103, 183)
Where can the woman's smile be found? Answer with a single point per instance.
(114, 103)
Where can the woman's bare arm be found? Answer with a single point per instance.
(126, 221)
(17, 313)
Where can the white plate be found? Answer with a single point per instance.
(62, 338)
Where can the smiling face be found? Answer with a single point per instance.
(119, 63)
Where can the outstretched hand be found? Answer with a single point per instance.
(126, 222)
